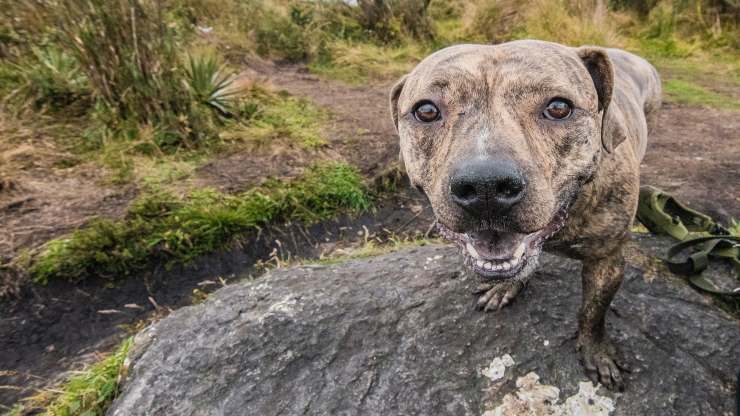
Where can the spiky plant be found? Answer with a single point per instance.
(208, 83)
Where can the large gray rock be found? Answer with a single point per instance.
(398, 335)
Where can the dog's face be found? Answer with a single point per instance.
(501, 139)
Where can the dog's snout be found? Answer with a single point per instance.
(487, 186)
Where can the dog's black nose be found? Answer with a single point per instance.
(487, 185)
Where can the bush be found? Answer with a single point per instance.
(281, 36)
(129, 54)
(494, 21)
(573, 23)
(386, 20)
(48, 78)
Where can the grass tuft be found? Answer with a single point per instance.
(356, 62)
(373, 248)
(91, 392)
(279, 116)
(161, 227)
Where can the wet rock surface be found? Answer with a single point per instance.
(398, 335)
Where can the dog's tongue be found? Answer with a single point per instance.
(496, 245)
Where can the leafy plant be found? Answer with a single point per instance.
(129, 54)
(209, 85)
(51, 78)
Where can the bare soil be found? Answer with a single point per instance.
(695, 154)
(44, 331)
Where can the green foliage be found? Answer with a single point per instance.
(91, 392)
(281, 36)
(734, 227)
(494, 21)
(586, 23)
(161, 227)
(677, 29)
(209, 85)
(126, 56)
(659, 38)
(47, 78)
(321, 191)
(129, 54)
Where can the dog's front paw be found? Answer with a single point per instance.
(599, 358)
(496, 295)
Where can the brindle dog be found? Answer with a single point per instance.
(526, 145)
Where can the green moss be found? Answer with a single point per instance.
(161, 227)
(693, 94)
(90, 392)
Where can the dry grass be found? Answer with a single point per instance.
(357, 62)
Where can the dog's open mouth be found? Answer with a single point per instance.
(502, 255)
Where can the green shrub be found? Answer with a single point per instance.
(282, 37)
(161, 227)
(676, 29)
(303, 30)
(659, 37)
(494, 21)
(387, 20)
(47, 78)
(573, 23)
(130, 54)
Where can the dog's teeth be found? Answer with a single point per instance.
(489, 266)
(479, 263)
(519, 250)
(471, 250)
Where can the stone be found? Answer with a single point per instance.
(398, 334)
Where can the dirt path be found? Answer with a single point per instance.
(46, 192)
(694, 153)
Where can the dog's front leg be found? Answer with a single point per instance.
(601, 278)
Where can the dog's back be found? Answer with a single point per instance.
(638, 95)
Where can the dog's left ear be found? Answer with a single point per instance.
(395, 94)
(600, 68)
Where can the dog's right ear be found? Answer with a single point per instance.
(600, 68)
(395, 93)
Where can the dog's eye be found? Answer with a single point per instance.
(557, 109)
(426, 112)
